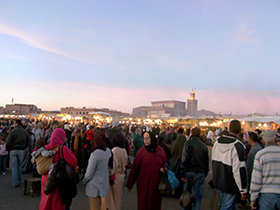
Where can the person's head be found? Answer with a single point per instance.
(57, 137)
(150, 141)
(54, 124)
(196, 132)
(269, 136)
(2, 142)
(99, 141)
(118, 140)
(80, 126)
(258, 132)
(39, 143)
(180, 131)
(253, 138)
(92, 128)
(235, 127)
(139, 131)
(18, 122)
(116, 125)
(147, 139)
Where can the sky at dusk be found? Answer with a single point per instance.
(123, 54)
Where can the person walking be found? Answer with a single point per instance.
(148, 163)
(229, 167)
(113, 200)
(17, 141)
(96, 179)
(265, 176)
(194, 167)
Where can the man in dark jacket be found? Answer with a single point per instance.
(194, 166)
(17, 141)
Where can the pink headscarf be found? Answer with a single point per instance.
(57, 138)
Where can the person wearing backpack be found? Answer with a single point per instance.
(53, 200)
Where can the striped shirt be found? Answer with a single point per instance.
(266, 172)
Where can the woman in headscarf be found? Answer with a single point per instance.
(175, 160)
(96, 178)
(113, 200)
(53, 200)
(76, 144)
(149, 162)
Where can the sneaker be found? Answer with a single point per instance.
(15, 186)
(4, 173)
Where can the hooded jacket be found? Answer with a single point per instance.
(228, 165)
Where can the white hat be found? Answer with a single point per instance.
(115, 124)
(268, 135)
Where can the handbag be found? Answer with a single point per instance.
(173, 181)
(65, 172)
(164, 186)
(43, 163)
(64, 176)
(186, 199)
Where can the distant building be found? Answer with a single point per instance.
(170, 108)
(85, 111)
(192, 105)
(20, 109)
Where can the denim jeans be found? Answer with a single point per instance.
(227, 200)
(195, 185)
(3, 163)
(16, 157)
(269, 201)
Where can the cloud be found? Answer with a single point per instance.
(244, 34)
(95, 56)
(29, 40)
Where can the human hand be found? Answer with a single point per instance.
(253, 205)
(128, 189)
(184, 179)
(244, 196)
(163, 170)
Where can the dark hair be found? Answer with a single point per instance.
(235, 126)
(180, 130)
(118, 141)
(188, 131)
(196, 131)
(55, 122)
(258, 131)
(253, 136)
(91, 127)
(99, 141)
(18, 122)
(160, 138)
(39, 143)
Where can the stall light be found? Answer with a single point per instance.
(130, 119)
(176, 120)
(243, 123)
(260, 125)
(265, 125)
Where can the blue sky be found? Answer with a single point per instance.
(123, 54)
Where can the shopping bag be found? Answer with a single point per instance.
(173, 181)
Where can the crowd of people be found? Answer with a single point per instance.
(245, 164)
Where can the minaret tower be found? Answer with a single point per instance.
(192, 105)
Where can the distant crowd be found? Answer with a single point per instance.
(245, 164)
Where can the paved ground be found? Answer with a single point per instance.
(13, 198)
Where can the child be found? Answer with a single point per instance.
(3, 156)
(41, 150)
